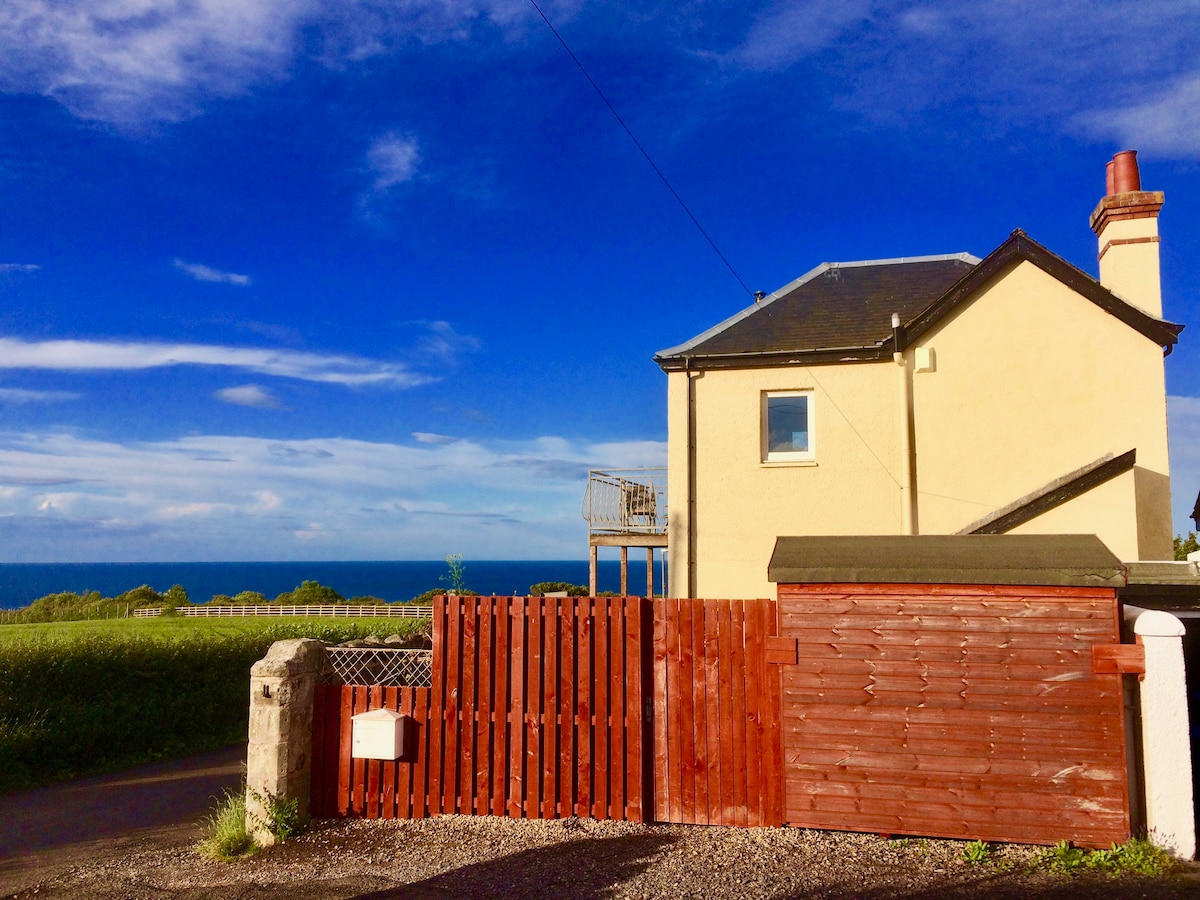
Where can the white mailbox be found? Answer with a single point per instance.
(378, 734)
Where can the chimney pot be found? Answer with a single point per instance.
(1125, 174)
(1109, 187)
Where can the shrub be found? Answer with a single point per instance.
(101, 701)
(310, 593)
(550, 587)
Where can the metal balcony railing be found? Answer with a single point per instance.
(626, 501)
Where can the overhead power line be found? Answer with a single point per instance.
(638, 144)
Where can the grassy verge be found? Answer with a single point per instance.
(85, 697)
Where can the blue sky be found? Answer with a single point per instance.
(298, 279)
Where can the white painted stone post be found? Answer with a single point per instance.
(279, 755)
(1166, 745)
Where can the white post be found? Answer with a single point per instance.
(1166, 745)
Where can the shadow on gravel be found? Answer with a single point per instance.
(579, 868)
(1009, 886)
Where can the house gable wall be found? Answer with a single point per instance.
(851, 487)
(1033, 381)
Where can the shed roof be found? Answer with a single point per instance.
(1078, 560)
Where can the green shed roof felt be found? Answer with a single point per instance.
(1078, 560)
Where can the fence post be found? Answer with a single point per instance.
(1166, 746)
(279, 754)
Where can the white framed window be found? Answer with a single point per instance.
(787, 426)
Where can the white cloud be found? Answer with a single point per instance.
(17, 396)
(18, 267)
(392, 159)
(221, 497)
(128, 355)
(444, 343)
(790, 30)
(201, 272)
(129, 62)
(426, 437)
(249, 395)
(1167, 123)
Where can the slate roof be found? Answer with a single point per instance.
(841, 312)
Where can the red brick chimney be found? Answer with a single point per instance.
(1126, 224)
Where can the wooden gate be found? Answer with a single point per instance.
(716, 713)
(537, 710)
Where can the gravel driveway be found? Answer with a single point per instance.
(457, 856)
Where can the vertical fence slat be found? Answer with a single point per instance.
(344, 738)
(725, 716)
(358, 768)
(387, 770)
(520, 646)
(468, 705)
(422, 699)
(549, 713)
(600, 710)
(583, 709)
(401, 701)
(453, 724)
(437, 700)
(774, 749)
(700, 712)
(737, 712)
(316, 792)
(501, 714)
(637, 654)
(531, 804)
(712, 710)
(619, 700)
(373, 766)
(755, 667)
(568, 660)
(485, 727)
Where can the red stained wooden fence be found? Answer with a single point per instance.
(954, 710)
(717, 756)
(536, 711)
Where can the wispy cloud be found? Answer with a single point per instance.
(249, 395)
(789, 30)
(359, 499)
(201, 272)
(1165, 123)
(77, 356)
(392, 159)
(128, 62)
(22, 396)
(18, 267)
(443, 342)
(428, 437)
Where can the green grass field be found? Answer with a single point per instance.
(177, 627)
(92, 696)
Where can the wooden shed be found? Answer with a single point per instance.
(959, 686)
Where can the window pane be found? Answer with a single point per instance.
(787, 424)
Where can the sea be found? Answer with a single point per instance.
(22, 583)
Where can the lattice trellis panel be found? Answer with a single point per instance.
(384, 666)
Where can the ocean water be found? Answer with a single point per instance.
(22, 583)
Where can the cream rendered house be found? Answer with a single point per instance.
(931, 395)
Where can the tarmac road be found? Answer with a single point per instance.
(180, 792)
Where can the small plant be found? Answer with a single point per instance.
(454, 579)
(227, 836)
(977, 853)
(282, 816)
(1135, 857)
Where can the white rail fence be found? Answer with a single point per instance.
(373, 612)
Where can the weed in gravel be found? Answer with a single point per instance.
(1135, 857)
(227, 836)
(977, 853)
